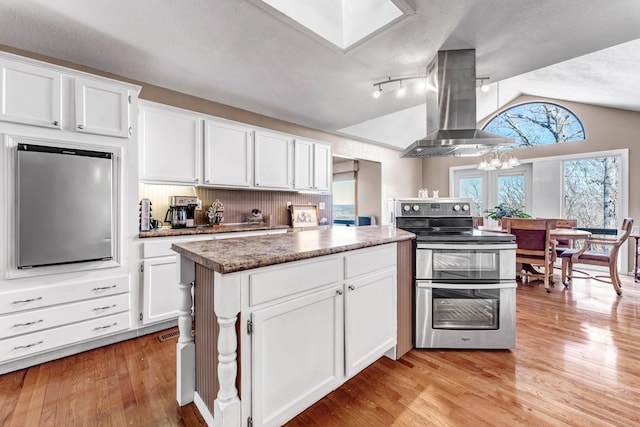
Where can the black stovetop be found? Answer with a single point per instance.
(461, 236)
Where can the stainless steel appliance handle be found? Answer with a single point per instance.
(498, 285)
(467, 246)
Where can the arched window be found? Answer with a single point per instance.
(537, 123)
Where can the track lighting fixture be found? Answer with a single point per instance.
(484, 88)
(401, 88)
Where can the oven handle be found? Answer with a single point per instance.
(467, 246)
(497, 285)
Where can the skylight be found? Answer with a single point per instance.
(342, 23)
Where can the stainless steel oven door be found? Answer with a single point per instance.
(465, 316)
(459, 262)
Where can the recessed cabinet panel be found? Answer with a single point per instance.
(170, 144)
(322, 167)
(228, 157)
(297, 355)
(273, 166)
(101, 109)
(30, 95)
(303, 165)
(370, 319)
(160, 289)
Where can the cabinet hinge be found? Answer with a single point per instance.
(249, 327)
(129, 97)
(141, 268)
(140, 317)
(249, 422)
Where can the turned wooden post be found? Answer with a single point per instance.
(185, 349)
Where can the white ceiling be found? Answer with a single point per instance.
(236, 53)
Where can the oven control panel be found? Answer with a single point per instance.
(432, 207)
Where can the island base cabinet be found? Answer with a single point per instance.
(370, 320)
(297, 355)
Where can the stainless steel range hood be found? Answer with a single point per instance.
(451, 110)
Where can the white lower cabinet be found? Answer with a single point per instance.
(311, 332)
(43, 318)
(297, 355)
(370, 319)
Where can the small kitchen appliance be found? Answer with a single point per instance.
(182, 211)
(465, 287)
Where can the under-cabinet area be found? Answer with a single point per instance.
(272, 338)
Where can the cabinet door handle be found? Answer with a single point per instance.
(352, 288)
(28, 345)
(80, 127)
(17, 325)
(103, 288)
(339, 292)
(101, 328)
(107, 307)
(24, 301)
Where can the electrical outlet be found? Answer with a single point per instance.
(321, 207)
(288, 204)
(199, 207)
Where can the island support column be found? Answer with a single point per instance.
(185, 349)
(227, 305)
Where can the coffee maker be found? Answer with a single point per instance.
(182, 211)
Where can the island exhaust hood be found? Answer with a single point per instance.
(451, 110)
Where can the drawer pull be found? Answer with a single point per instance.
(28, 345)
(104, 288)
(24, 301)
(352, 288)
(101, 328)
(17, 325)
(104, 308)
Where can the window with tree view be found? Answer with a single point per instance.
(591, 189)
(537, 123)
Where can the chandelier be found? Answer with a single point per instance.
(495, 160)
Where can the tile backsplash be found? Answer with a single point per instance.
(237, 203)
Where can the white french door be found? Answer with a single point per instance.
(490, 188)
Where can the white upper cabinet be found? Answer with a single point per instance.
(273, 160)
(170, 144)
(30, 95)
(303, 165)
(312, 166)
(322, 167)
(101, 108)
(228, 159)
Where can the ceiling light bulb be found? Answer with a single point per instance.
(402, 90)
(484, 88)
(421, 87)
(513, 162)
(377, 92)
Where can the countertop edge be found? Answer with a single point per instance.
(215, 229)
(268, 260)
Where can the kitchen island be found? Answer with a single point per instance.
(282, 320)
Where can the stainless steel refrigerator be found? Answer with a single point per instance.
(64, 205)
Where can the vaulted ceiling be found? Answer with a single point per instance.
(238, 53)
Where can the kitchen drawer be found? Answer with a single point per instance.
(36, 320)
(369, 260)
(28, 344)
(161, 246)
(43, 296)
(289, 279)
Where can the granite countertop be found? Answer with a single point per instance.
(210, 229)
(245, 253)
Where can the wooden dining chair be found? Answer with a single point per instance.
(535, 248)
(586, 255)
(478, 221)
(561, 244)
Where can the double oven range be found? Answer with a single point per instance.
(465, 287)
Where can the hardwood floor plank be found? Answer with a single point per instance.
(576, 363)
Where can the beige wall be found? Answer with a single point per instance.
(369, 189)
(605, 129)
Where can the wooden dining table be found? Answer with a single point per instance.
(556, 233)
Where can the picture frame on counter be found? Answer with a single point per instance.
(304, 215)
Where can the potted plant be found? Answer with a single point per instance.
(503, 210)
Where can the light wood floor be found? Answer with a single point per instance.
(576, 362)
